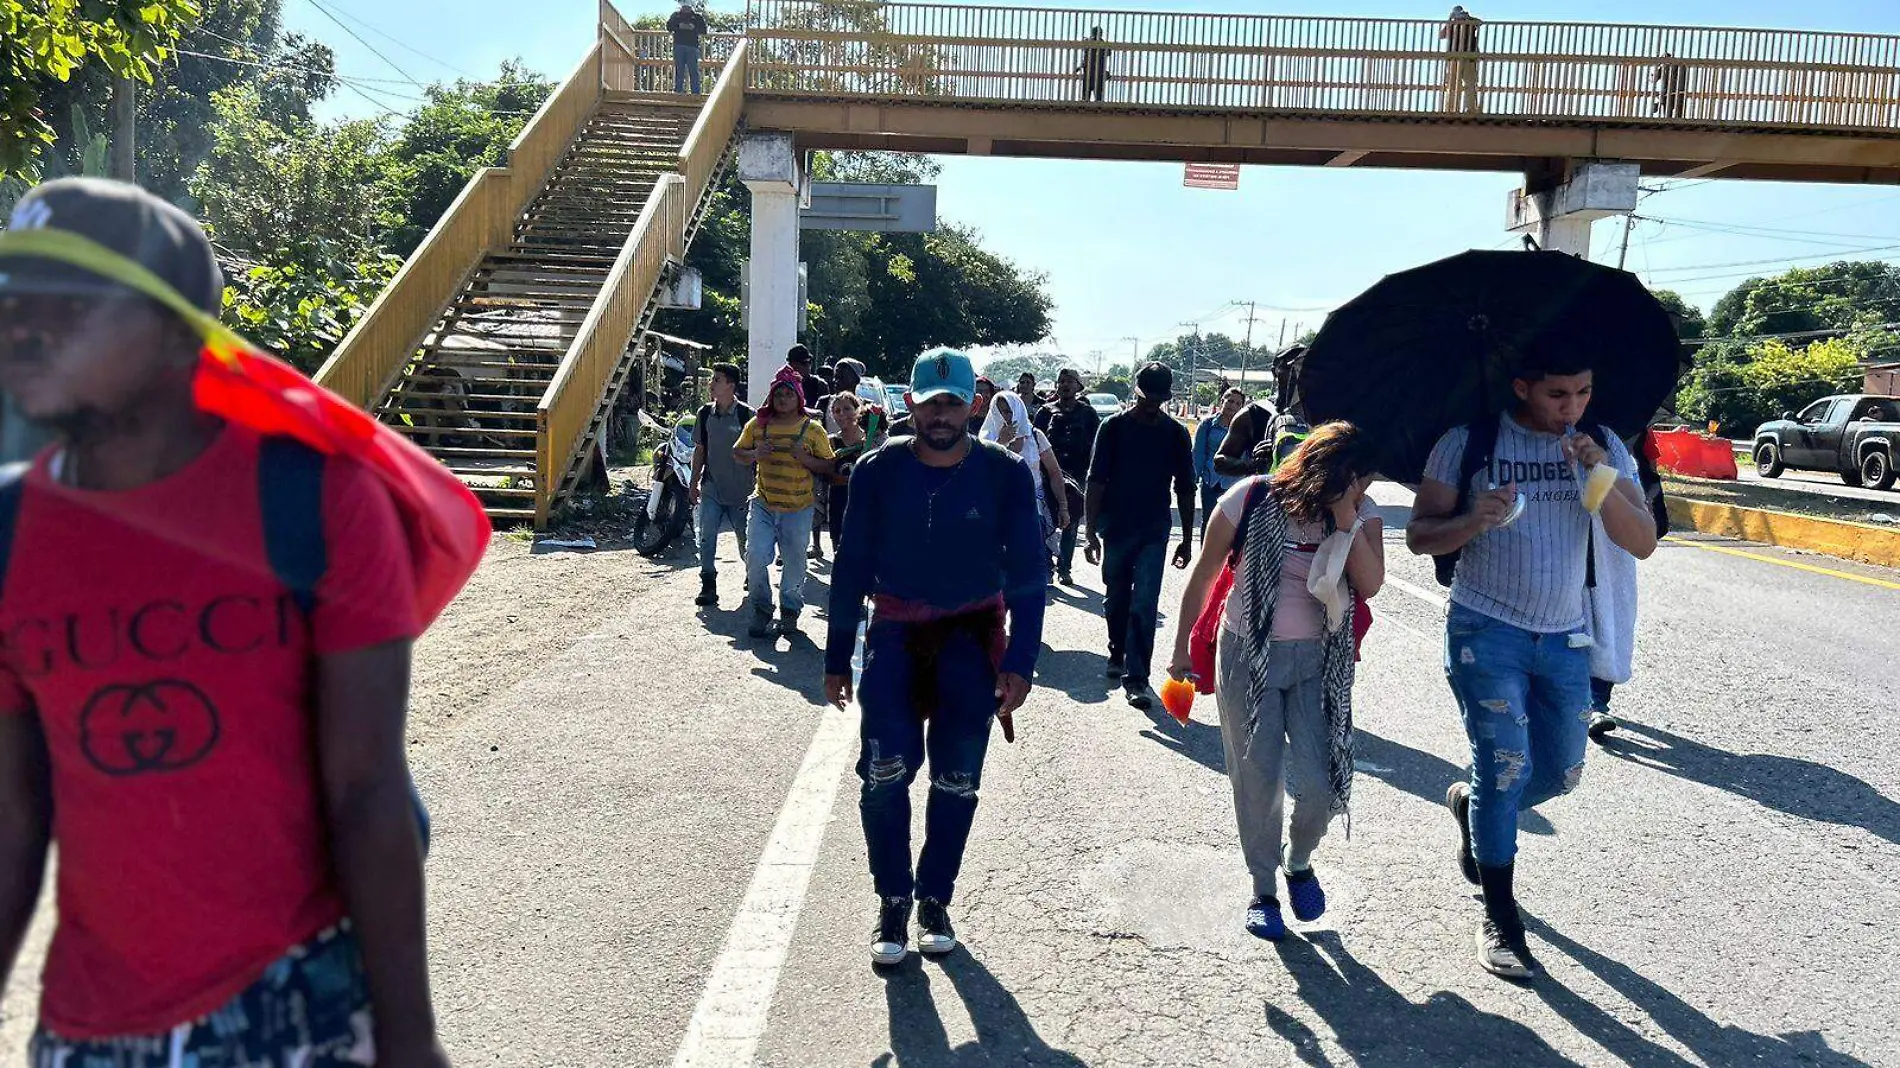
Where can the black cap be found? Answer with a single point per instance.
(1155, 381)
(124, 219)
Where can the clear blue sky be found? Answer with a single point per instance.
(1129, 252)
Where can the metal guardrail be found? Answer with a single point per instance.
(1694, 76)
(572, 400)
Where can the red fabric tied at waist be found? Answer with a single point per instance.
(928, 628)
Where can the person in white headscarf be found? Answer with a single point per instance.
(1009, 425)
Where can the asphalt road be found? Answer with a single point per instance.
(1719, 892)
(1824, 483)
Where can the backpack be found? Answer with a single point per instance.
(290, 496)
(1481, 441)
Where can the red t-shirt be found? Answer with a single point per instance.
(173, 675)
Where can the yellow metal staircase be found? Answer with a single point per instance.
(504, 341)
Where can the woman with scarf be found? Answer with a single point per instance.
(1303, 544)
(1009, 425)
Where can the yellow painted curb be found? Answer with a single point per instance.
(1867, 544)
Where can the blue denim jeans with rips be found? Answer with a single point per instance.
(1526, 704)
(895, 740)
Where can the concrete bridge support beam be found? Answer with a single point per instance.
(1557, 208)
(768, 165)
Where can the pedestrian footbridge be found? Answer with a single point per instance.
(505, 341)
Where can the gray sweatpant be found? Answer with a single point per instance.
(1273, 750)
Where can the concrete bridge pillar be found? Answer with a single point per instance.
(768, 165)
(1558, 207)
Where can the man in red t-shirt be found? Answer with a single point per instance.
(218, 755)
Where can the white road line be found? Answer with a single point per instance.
(730, 1020)
(1431, 597)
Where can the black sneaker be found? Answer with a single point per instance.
(1503, 951)
(708, 591)
(1602, 724)
(1064, 578)
(1458, 799)
(761, 625)
(892, 942)
(788, 623)
(1141, 697)
(1115, 667)
(935, 936)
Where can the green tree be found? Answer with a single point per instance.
(177, 113)
(1690, 324)
(1831, 298)
(44, 42)
(881, 298)
(464, 127)
(267, 187)
(1739, 389)
(302, 299)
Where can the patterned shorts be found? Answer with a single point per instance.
(310, 1009)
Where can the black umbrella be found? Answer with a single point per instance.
(1437, 346)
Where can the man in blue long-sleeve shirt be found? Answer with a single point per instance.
(943, 536)
(1208, 438)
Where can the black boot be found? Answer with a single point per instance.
(1502, 948)
(708, 591)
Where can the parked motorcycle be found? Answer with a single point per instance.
(669, 508)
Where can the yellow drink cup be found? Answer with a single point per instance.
(1598, 483)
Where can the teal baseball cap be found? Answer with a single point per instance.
(942, 371)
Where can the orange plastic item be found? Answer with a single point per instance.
(1177, 696)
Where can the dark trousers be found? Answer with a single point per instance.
(1131, 571)
(1600, 694)
(894, 743)
(1065, 553)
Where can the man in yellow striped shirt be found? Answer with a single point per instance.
(789, 448)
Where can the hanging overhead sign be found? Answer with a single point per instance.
(1212, 176)
(908, 209)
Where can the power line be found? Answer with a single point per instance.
(400, 43)
(373, 49)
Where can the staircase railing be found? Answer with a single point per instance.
(573, 397)
(576, 396)
(482, 218)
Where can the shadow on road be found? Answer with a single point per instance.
(1421, 774)
(1087, 600)
(1199, 742)
(1710, 1041)
(1079, 674)
(1376, 1026)
(1797, 787)
(1004, 1035)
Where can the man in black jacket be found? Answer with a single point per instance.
(687, 27)
(1071, 425)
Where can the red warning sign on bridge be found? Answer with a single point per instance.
(1212, 176)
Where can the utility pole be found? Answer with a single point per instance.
(1134, 355)
(125, 121)
(1629, 223)
(1191, 353)
(1246, 352)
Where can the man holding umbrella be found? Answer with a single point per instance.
(1512, 496)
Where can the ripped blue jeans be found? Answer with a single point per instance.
(1526, 704)
(895, 741)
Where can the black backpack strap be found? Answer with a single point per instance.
(1254, 493)
(1481, 441)
(12, 491)
(290, 493)
(699, 424)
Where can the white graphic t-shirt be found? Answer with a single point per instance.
(1531, 573)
